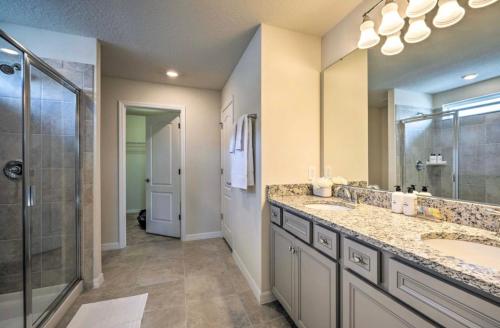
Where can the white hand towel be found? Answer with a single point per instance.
(240, 133)
(242, 167)
(232, 139)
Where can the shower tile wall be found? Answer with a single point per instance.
(479, 158)
(53, 156)
(82, 75)
(53, 218)
(11, 233)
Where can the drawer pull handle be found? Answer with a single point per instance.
(324, 241)
(274, 214)
(357, 259)
(291, 249)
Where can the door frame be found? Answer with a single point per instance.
(122, 166)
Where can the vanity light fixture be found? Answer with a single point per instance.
(449, 13)
(393, 45)
(470, 76)
(480, 3)
(392, 22)
(368, 38)
(417, 8)
(9, 51)
(172, 74)
(417, 31)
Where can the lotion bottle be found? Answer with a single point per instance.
(425, 191)
(397, 200)
(410, 203)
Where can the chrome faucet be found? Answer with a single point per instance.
(344, 193)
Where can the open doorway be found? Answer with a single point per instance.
(151, 160)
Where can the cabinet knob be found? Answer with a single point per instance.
(357, 259)
(323, 241)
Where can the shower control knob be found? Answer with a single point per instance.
(13, 170)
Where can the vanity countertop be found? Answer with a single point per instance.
(403, 236)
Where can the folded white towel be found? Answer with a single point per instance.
(242, 166)
(232, 139)
(240, 133)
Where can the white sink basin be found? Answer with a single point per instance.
(328, 207)
(468, 251)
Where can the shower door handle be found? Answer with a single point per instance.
(31, 196)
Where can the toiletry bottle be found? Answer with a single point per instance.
(425, 192)
(410, 203)
(397, 200)
(439, 158)
(413, 189)
(432, 158)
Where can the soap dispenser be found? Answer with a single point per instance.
(410, 203)
(397, 200)
(425, 191)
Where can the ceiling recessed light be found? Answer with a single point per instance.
(471, 76)
(171, 73)
(9, 51)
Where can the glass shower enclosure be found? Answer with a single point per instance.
(467, 140)
(39, 191)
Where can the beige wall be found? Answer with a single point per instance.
(377, 147)
(345, 117)
(202, 150)
(245, 207)
(291, 65)
(278, 77)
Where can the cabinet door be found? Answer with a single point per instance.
(366, 307)
(282, 268)
(316, 289)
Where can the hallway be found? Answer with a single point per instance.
(189, 284)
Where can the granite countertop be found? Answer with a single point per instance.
(403, 236)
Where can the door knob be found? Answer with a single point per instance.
(147, 180)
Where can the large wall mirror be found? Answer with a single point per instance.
(428, 117)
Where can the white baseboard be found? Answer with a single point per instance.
(203, 235)
(98, 281)
(110, 246)
(262, 297)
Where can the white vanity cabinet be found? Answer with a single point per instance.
(304, 281)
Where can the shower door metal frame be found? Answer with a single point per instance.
(28, 196)
(456, 137)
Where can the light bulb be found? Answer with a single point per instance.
(368, 37)
(449, 13)
(417, 8)
(417, 31)
(391, 20)
(480, 3)
(172, 74)
(393, 45)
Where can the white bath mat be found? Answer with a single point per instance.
(123, 312)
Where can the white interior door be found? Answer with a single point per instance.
(226, 129)
(163, 176)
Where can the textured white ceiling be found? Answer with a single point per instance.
(203, 39)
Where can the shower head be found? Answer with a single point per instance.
(9, 69)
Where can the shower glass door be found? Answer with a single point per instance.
(11, 187)
(39, 174)
(423, 136)
(53, 171)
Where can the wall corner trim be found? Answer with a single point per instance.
(98, 281)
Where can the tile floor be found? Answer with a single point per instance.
(190, 284)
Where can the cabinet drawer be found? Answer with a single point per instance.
(326, 241)
(276, 215)
(361, 259)
(439, 300)
(364, 306)
(297, 226)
